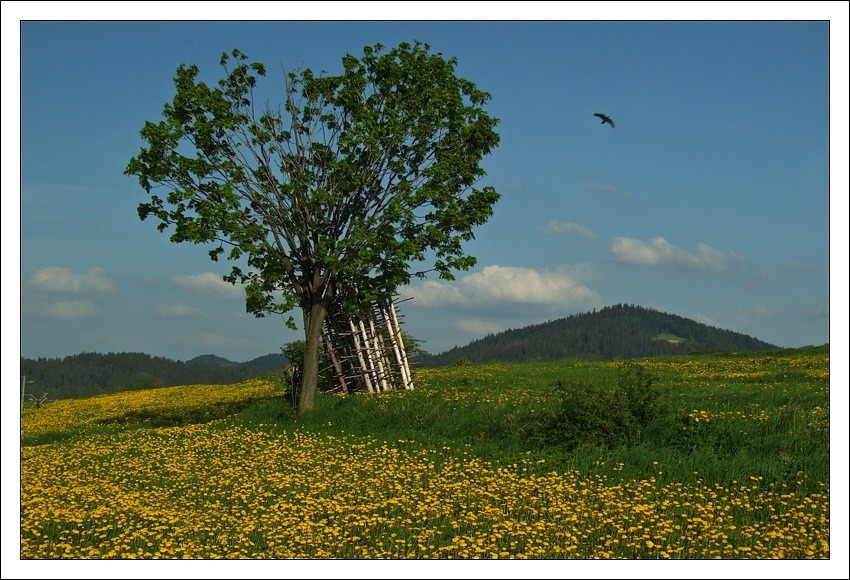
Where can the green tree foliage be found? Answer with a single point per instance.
(612, 333)
(333, 195)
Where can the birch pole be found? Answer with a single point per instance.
(404, 363)
(364, 370)
(370, 357)
(384, 367)
(393, 333)
(335, 361)
(361, 357)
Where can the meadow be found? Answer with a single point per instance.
(700, 457)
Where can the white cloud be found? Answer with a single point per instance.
(177, 309)
(660, 252)
(69, 309)
(568, 229)
(56, 279)
(432, 293)
(207, 283)
(477, 327)
(496, 285)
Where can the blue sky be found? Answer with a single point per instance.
(710, 199)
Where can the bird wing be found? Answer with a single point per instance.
(605, 118)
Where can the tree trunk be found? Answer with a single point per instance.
(314, 318)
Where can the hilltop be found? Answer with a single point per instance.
(614, 332)
(268, 362)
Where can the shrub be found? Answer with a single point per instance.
(462, 361)
(607, 415)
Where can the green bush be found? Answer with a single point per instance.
(462, 362)
(293, 352)
(604, 414)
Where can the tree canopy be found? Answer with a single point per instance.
(333, 195)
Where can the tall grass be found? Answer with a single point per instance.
(723, 418)
(711, 456)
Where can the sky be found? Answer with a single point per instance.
(713, 198)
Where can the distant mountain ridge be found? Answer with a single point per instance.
(614, 332)
(262, 363)
(89, 373)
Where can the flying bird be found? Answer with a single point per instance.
(605, 118)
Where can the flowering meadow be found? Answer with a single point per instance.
(453, 469)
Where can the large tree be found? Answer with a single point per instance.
(331, 196)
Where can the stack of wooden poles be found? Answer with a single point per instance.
(367, 353)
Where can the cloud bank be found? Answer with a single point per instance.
(477, 327)
(504, 285)
(660, 252)
(208, 283)
(51, 286)
(177, 309)
(63, 280)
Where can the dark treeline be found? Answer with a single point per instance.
(88, 374)
(612, 333)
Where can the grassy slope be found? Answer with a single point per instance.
(763, 414)
(731, 416)
(745, 423)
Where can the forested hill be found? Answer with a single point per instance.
(614, 332)
(88, 374)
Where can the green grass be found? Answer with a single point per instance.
(766, 415)
(669, 337)
(479, 460)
